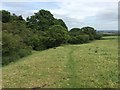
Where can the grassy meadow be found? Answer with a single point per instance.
(90, 65)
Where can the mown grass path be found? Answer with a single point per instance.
(71, 67)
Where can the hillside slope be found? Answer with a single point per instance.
(88, 65)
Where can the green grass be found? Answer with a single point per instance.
(91, 65)
(110, 37)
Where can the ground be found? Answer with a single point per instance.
(90, 65)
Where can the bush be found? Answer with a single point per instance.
(24, 52)
(79, 39)
(57, 35)
(89, 31)
(12, 47)
(98, 36)
(75, 32)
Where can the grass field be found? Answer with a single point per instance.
(91, 65)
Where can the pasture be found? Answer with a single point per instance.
(90, 65)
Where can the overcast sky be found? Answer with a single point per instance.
(100, 14)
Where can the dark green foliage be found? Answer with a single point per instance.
(75, 32)
(77, 36)
(37, 42)
(16, 18)
(14, 38)
(57, 35)
(12, 48)
(60, 22)
(39, 32)
(54, 36)
(89, 31)
(40, 20)
(0, 46)
(83, 35)
(6, 17)
(48, 30)
(15, 27)
(18, 28)
(79, 39)
(98, 36)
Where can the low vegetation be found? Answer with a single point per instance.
(91, 65)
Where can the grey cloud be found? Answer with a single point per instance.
(107, 16)
(70, 22)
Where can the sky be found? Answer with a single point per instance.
(100, 14)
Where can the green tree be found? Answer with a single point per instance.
(77, 36)
(57, 35)
(14, 17)
(60, 22)
(41, 20)
(98, 36)
(75, 32)
(14, 39)
(89, 31)
(6, 16)
(79, 39)
(13, 48)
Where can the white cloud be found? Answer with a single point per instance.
(77, 12)
(80, 10)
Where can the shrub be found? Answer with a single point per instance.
(57, 35)
(12, 47)
(75, 32)
(98, 36)
(79, 39)
(89, 31)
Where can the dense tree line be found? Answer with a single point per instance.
(38, 32)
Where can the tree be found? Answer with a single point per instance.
(6, 16)
(60, 22)
(37, 41)
(14, 17)
(75, 32)
(98, 36)
(41, 20)
(77, 36)
(47, 30)
(79, 39)
(89, 31)
(14, 39)
(57, 35)
(13, 48)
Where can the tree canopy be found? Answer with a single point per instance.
(58, 35)
(42, 20)
(5, 16)
(90, 31)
